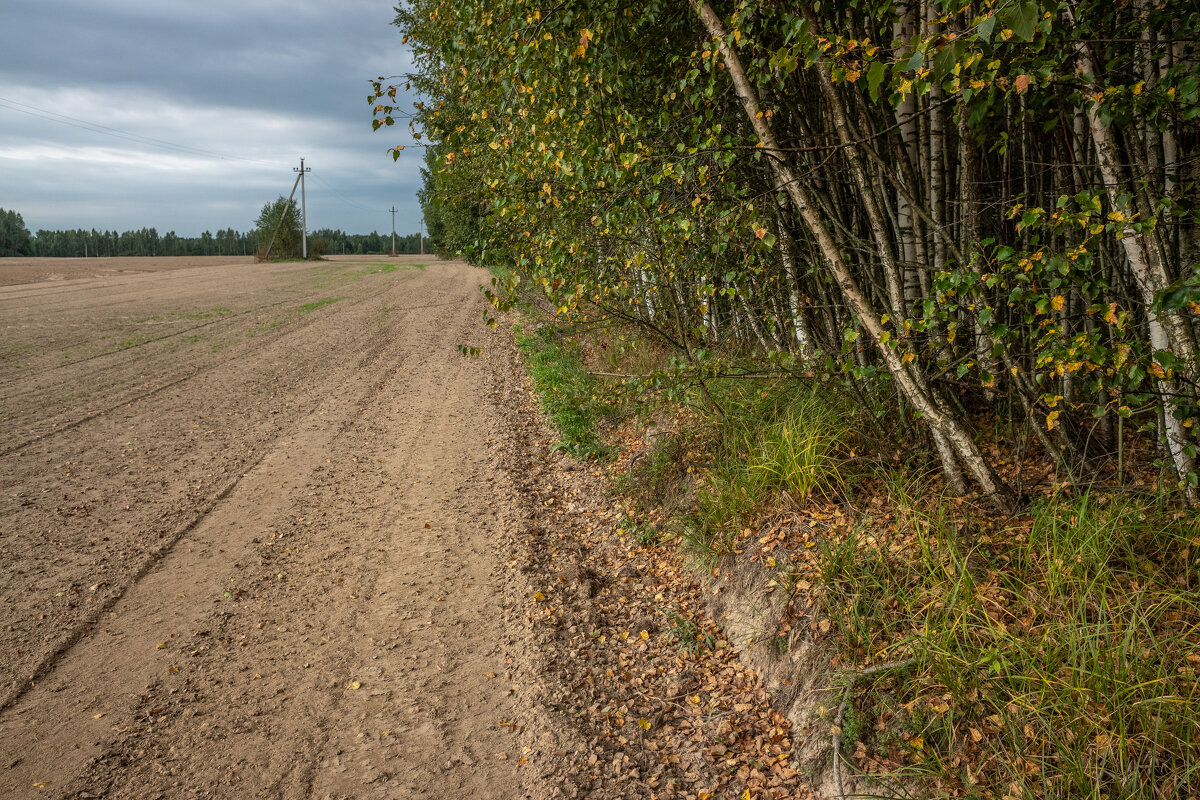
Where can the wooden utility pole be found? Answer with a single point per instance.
(303, 210)
(421, 235)
(393, 230)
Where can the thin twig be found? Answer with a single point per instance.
(841, 714)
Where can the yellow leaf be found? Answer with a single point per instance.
(539, 596)
(354, 685)
(42, 784)
(1057, 302)
(161, 646)
(490, 674)
(644, 724)
(917, 742)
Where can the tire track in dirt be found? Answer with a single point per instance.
(32, 380)
(125, 351)
(74, 635)
(88, 509)
(271, 337)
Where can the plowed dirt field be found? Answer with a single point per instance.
(249, 518)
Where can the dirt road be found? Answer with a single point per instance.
(249, 525)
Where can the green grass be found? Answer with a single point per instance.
(772, 439)
(567, 393)
(313, 306)
(134, 341)
(1061, 651)
(796, 453)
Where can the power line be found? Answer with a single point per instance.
(345, 199)
(117, 133)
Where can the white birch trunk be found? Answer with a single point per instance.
(1150, 279)
(911, 384)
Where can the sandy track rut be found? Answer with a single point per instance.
(261, 569)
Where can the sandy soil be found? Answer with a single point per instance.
(249, 548)
(34, 270)
(266, 532)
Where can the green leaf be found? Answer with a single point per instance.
(984, 29)
(875, 76)
(1136, 375)
(943, 62)
(1022, 18)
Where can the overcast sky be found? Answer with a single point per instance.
(189, 115)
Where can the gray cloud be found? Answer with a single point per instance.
(186, 116)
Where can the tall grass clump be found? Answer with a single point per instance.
(1058, 655)
(766, 443)
(797, 452)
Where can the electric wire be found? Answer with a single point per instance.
(117, 133)
(343, 198)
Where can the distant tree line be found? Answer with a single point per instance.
(16, 240)
(340, 243)
(143, 242)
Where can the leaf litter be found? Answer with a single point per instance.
(655, 700)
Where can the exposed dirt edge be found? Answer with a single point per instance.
(571, 575)
(746, 602)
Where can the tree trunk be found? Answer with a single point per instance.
(911, 384)
(1167, 332)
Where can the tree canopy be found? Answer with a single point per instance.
(947, 206)
(278, 229)
(14, 236)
